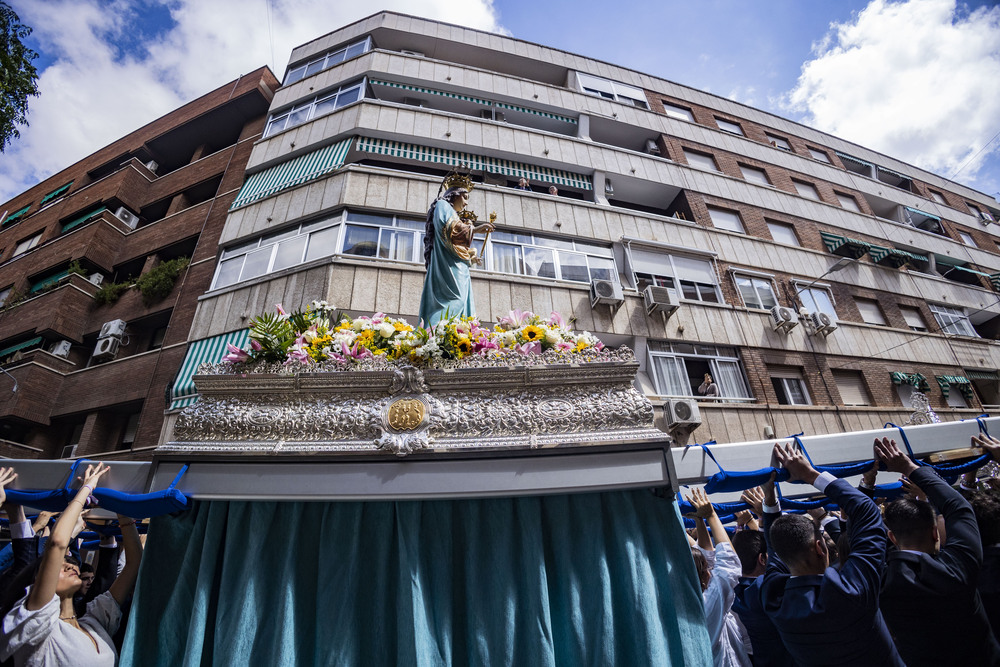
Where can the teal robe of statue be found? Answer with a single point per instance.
(447, 285)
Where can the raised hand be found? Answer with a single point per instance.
(755, 499)
(912, 489)
(888, 453)
(702, 505)
(7, 475)
(794, 461)
(989, 444)
(93, 474)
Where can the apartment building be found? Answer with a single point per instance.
(819, 282)
(101, 266)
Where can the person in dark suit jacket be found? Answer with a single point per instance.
(987, 508)
(929, 597)
(826, 616)
(751, 547)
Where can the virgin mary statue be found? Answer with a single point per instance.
(448, 253)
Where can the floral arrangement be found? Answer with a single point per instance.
(319, 336)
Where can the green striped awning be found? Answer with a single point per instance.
(81, 219)
(58, 192)
(31, 342)
(851, 158)
(48, 282)
(916, 379)
(961, 269)
(922, 213)
(982, 375)
(893, 256)
(296, 171)
(476, 100)
(893, 173)
(474, 162)
(16, 215)
(945, 382)
(204, 351)
(841, 245)
(995, 281)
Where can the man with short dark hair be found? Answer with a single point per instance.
(929, 595)
(987, 509)
(826, 616)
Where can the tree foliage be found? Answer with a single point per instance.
(18, 77)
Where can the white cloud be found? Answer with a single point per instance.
(91, 95)
(918, 80)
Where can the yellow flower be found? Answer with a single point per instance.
(581, 345)
(399, 325)
(533, 333)
(464, 346)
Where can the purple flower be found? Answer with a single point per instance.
(529, 348)
(235, 354)
(255, 346)
(555, 319)
(516, 318)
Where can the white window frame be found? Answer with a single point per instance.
(952, 320)
(596, 257)
(725, 367)
(730, 126)
(683, 288)
(938, 197)
(27, 244)
(778, 142)
(967, 238)
(854, 382)
(913, 318)
(807, 295)
(612, 90)
(787, 379)
(699, 161)
(786, 229)
(755, 175)
(723, 218)
(807, 190)
(870, 311)
(759, 284)
(328, 60)
(848, 202)
(4, 294)
(677, 111)
(303, 112)
(818, 155)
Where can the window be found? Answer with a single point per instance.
(4, 293)
(754, 175)
(790, 386)
(27, 244)
(778, 142)
(980, 213)
(807, 190)
(56, 194)
(857, 165)
(756, 292)
(690, 276)
(128, 433)
(327, 61)
(938, 197)
(892, 178)
(386, 237)
(729, 126)
(913, 318)
(848, 202)
(612, 90)
(318, 106)
(156, 340)
(921, 220)
(724, 219)
(700, 160)
(870, 312)
(783, 233)
(16, 216)
(678, 369)
(678, 112)
(817, 300)
(531, 255)
(952, 320)
(852, 387)
(817, 154)
(966, 238)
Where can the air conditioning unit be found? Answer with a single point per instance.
(651, 147)
(96, 278)
(152, 165)
(608, 292)
(783, 319)
(68, 452)
(682, 412)
(112, 329)
(106, 349)
(61, 348)
(127, 216)
(822, 324)
(660, 299)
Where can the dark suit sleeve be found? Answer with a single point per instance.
(774, 564)
(962, 552)
(861, 574)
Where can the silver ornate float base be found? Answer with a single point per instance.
(405, 410)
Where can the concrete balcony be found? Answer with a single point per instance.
(60, 312)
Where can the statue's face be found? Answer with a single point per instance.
(459, 201)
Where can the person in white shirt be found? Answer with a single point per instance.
(719, 577)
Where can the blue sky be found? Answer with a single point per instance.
(916, 79)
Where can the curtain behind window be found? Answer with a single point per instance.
(584, 579)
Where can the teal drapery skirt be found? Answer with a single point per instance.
(589, 579)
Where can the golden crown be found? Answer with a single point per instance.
(455, 180)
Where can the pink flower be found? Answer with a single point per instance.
(516, 318)
(563, 346)
(298, 353)
(281, 311)
(529, 348)
(357, 352)
(257, 347)
(483, 344)
(555, 319)
(235, 354)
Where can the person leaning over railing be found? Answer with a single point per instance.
(42, 628)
